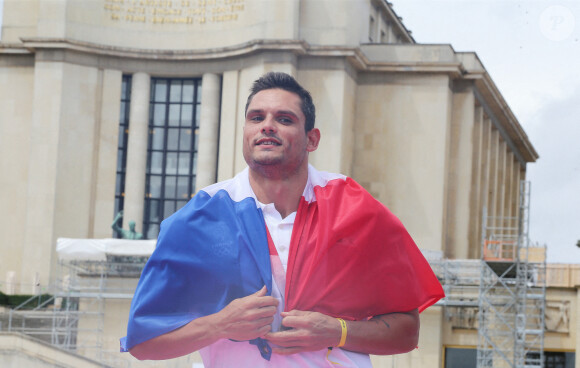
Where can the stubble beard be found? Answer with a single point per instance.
(272, 167)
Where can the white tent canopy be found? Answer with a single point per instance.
(97, 249)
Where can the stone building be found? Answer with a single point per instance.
(109, 105)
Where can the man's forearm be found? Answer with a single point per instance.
(386, 334)
(392, 333)
(243, 319)
(182, 341)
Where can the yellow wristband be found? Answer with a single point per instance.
(343, 333)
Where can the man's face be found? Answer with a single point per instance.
(274, 135)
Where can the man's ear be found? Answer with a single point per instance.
(313, 137)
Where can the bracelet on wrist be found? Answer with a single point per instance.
(343, 332)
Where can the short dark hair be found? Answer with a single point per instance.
(273, 80)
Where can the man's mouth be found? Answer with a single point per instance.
(267, 142)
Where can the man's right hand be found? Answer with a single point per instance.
(243, 319)
(247, 318)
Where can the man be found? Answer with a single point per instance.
(335, 276)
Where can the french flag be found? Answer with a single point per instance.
(350, 257)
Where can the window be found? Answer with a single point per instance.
(460, 358)
(172, 149)
(122, 146)
(467, 358)
(371, 28)
(386, 32)
(556, 359)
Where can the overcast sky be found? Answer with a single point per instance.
(531, 49)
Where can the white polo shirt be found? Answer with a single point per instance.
(226, 353)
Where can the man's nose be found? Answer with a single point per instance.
(268, 125)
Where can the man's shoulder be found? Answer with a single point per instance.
(235, 189)
(319, 179)
(335, 185)
(238, 187)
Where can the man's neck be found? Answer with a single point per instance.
(284, 192)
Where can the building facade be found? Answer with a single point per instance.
(133, 105)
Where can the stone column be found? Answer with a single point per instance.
(208, 131)
(475, 194)
(460, 177)
(484, 184)
(137, 150)
(493, 170)
(577, 325)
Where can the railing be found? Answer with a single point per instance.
(58, 318)
(506, 251)
(499, 250)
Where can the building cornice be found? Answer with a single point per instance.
(508, 121)
(35, 44)
(356, 55)
(488, 94)
(13, 48)
(394, 58)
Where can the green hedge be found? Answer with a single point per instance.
(13, 301)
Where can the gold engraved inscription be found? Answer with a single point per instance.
(173, 11)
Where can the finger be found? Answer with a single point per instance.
(257, 301)
(287, 322)
(263, 298)
(293, 312)
(265, 321)
(265, 301)
(295, 322)
(276, 337)
(286, 338)
(264, 330)
(261, 292)
(294, 318)
(257, 314)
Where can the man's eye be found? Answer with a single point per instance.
(285, 120)
(256, 118)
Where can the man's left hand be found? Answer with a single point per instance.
(307, 331)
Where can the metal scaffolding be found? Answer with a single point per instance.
(72, 319)
(512, 292)
(503, 294)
